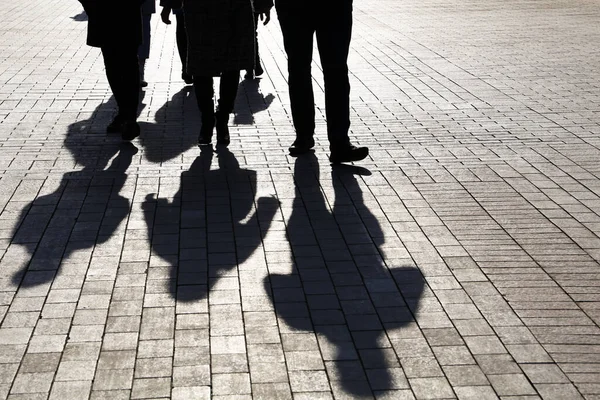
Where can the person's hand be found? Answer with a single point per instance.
(164, 15)
(266, 16)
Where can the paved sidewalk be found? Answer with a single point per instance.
(461, 260)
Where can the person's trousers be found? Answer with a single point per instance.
(181, 37)
(203, 87)
(257, 66)
(122, 71)
(144, 49)
(333, 27)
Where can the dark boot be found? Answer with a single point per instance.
(348, 153)
(116, 124)
(227, 92)
(222, 119)
(206, 130)
(203, 87)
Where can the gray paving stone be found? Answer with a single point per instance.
(153, 367)
(475, 392)
(76, 371)
(35, 382)
(268, 373)
(231, 384)
(511, 385)
(113, 379)
(308, 381)
(431, 388)
(73, 389)
(151, 388)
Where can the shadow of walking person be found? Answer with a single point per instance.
(85, 208)
(250, 101)
(346, 295)
(213, 219)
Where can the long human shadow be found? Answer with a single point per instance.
(85, 209)
(255, 101)
(213, 222)
(360, 298)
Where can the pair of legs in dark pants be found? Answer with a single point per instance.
(181, 37)
(332, 24)
(258, 70)
(203, 87)
(122, 71)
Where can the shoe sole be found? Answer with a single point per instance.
(129, 139)
(298, 152)
(336, 160)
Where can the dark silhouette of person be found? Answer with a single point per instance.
(250, 101)
(220, 36)
(331, 20)
(116, 28)
(204, 222)
(85, 209)
(357, 296)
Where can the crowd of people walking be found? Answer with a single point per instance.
(219, 38)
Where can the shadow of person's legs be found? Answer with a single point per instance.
(343, 292)
(214, 221)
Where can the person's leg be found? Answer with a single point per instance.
(203, 87)
(113, 75)
(227, 93)
(298, 34)
(333, 40)
(130, 83)
(334, 32)
(258, 70)
(122, 72)
(144, 49)
(181, 37)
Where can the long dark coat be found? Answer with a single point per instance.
(113, 22)
(220, 34)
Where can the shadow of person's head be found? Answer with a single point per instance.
(171, 134)
(210, 204)
(250, 100)
(51, 228)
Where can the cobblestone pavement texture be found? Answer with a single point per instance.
(461, 260)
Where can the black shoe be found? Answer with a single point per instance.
(116, 125)
(143, 83)
(187, 78)
(222, 119)
(130, 130)
(348, 154)
(301, 146)
(206, 131)
(258, 71)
